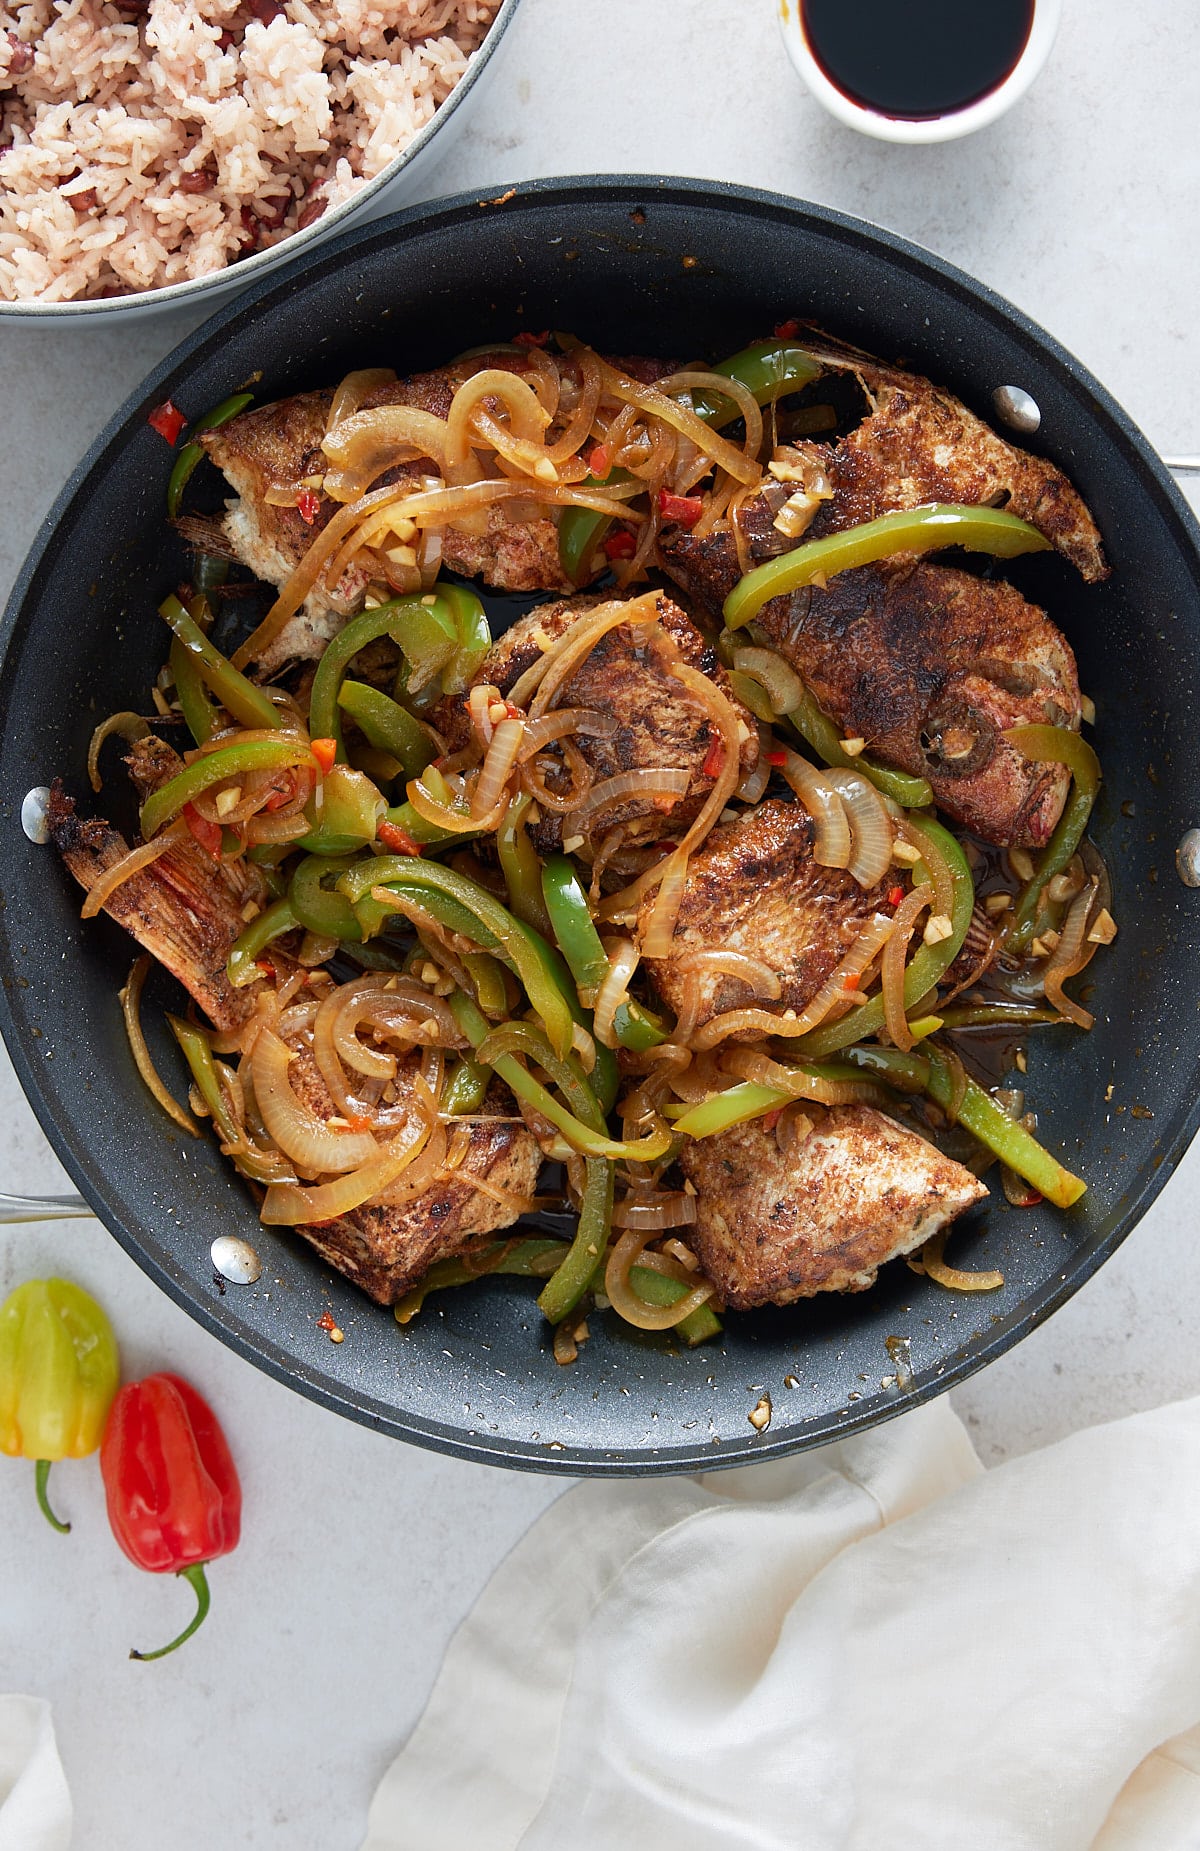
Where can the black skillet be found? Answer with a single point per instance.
(635, 265)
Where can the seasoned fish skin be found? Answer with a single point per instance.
(184, 909)
(919, 444)
(387, 1246)
(754, 888)
(930, 666)
(628, 674)
(859, 1191)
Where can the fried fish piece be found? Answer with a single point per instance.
(387, 1245)
(919, 443)
(659, 723)
(858, 1191)
(185, 908)
(753, 888)
(930, 666)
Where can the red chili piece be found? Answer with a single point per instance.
(167, 420)
(787, 330)
(532, 340)
(327, 1321)
(714, 758)
(777, 758)
(771, 1119)
(308, 505)
(895, 895)
(325, 753)
(684, 510)
(174, 1500)
(620, 545)
(209, 834)
(397, 839)
(599, 462)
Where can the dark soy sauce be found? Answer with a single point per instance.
(916, 58)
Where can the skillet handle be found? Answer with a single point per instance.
(41, 1207)
(1183, 465)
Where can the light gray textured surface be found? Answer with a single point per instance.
(361, 1555)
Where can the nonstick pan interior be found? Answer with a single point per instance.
(685, 270)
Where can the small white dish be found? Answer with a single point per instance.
(911, 129)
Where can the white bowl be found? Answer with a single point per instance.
(395, 186)
(927, 128)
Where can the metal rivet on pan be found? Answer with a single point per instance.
(1016, 408)
(1187, 858)
(235, 1259)
(33, 814)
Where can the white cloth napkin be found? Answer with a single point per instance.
(874, 1644)
(35, 1804)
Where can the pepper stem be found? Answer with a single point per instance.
(42, 1480)
(194, 1574)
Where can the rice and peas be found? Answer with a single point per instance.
(155, 141)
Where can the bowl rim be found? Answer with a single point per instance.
(219, 1317)
(197, 290)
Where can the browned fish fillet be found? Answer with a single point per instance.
(277, 449)
(919, 443)
(659, 723)
(386, 1246)
(184, 908)
(753, 888)
(929, 665)
(858, 1191)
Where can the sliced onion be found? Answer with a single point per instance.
(367, 443)
(501, 757)
(354, 388)
(528, 418)
(131, 1010)
(663, 1211)
(832, 841)
(314, 1146)
(537, 688)
(562, 721)
(892, 967)
(697, 379)
(129, 864)
(932, 1263)
(833, 991)
(648, 782)
(756, 975)
(578, 426)
(659, 405)
(1070, 955)
(290, 1205)
(784, 688)
(131, 727)
(870, 826)
(625, 1301)
(935, 863)
(958, 1085)
(456, 821)
(623, 959)
(749, 1064)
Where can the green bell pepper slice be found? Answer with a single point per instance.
(317, 909)
(474, 636)
(822, 735)
(387, 726)
(927, 966)
(214, 768)
(911, 530)
(248, 947)
(492, 925)
(247, 703)
(521, 868)
(416, 627)
(581, 530)
(59, 1371)
(572, 925)
(768, 369)
(351, 808)
(198, 708)
(1053, 745)
(466, 1087)
(585, 1256)
(192, 452)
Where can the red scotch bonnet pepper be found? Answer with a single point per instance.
(174, 1500)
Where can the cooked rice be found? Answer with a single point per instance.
(157, 140)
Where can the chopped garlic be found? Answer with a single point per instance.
(400, 555)
(796, 515)
(852, 747)
(250, 911)
(1022, 863)
(571, 843)
(1104, 929)
(906, 853)
(760, 1416)
(161, 702)
(1087, 709)
(497, 712)
(937, 928)
(403, 528)
(228, 799)
(997, 903)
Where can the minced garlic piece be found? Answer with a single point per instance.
(852, 747)
(937, 928)
(1104, 928)
(907, 853)
(760, 1416)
